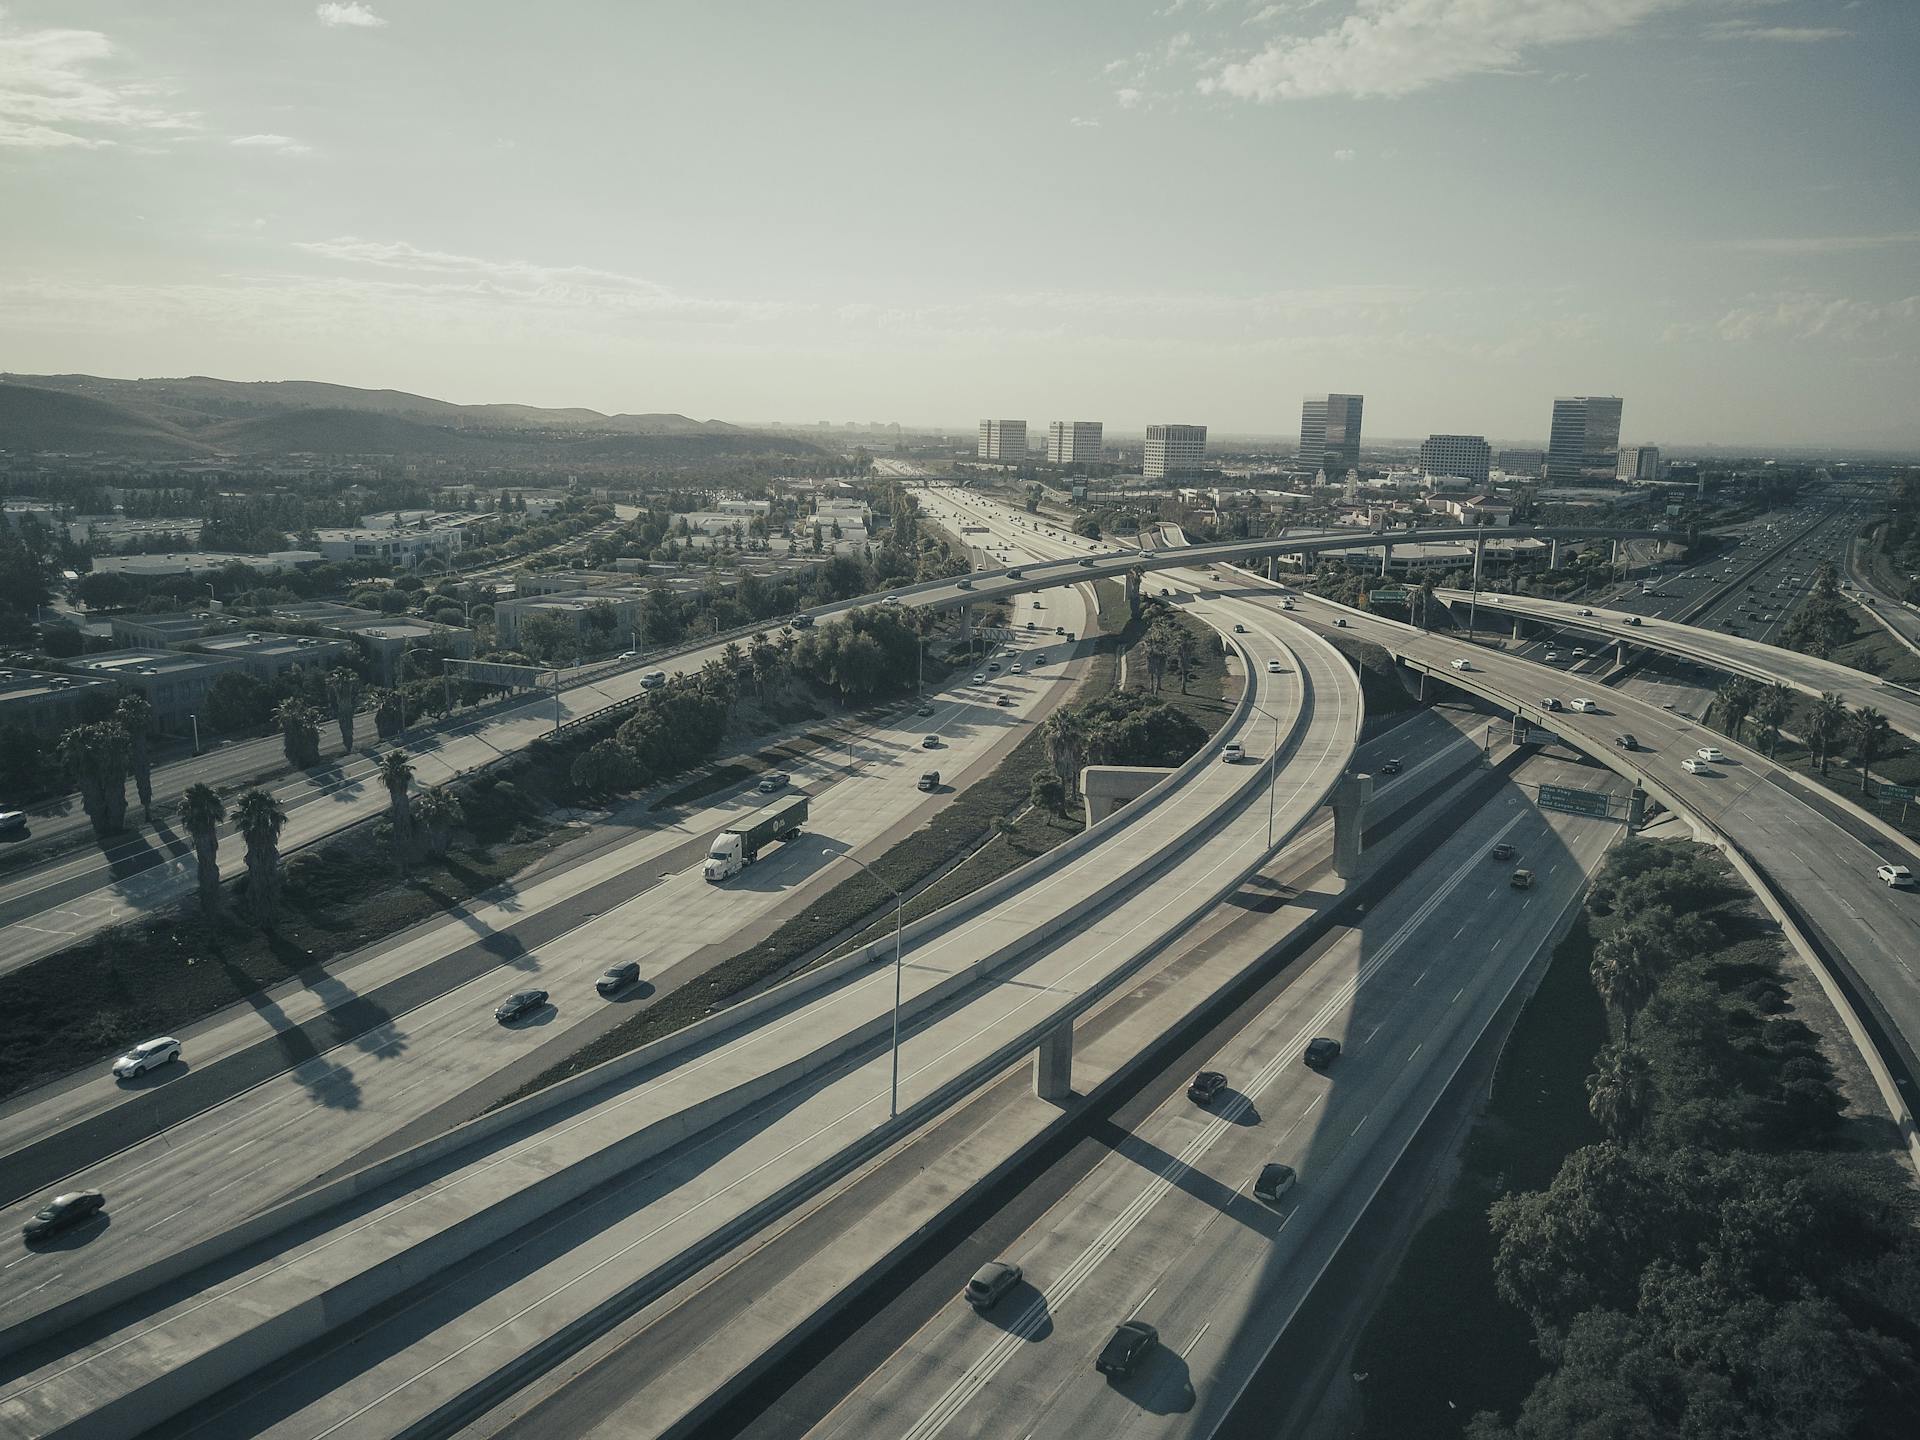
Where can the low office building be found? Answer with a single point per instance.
(577, 610)
(175, 682)
(383, 639)
(267, 655)
(162, 632)
(407, 548)
(48, 704)
(201, 562)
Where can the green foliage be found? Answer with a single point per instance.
(236, 701)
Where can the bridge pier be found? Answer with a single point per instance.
(1519, 628)
(1553, 555)
(1350, 796)
(1273, 569)
(1636, 808)
(966, 625)
(1620, 652)
(1386, 559)
(1133, 593)
(1053, 1064)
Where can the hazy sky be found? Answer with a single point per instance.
(1129, 210)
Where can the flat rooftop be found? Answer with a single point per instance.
(118, 664)
(21, 684)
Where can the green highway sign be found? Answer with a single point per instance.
(1596, 803)
(1395, 593)
(1902, 793)
(1541, 737)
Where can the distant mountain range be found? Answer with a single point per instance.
(206, 418)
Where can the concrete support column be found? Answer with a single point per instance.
(1636, 808)
(1424, 678)
(966, 624)
(1519, 628)
(1553, 555)
(1273, 568)
(1350, 797)
(1053, 1065)
(1620, 652)
(1386, 559)
(1133, 592)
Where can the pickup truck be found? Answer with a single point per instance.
(733, 850)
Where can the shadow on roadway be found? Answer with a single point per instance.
(154, 1079)
(1163, 1385)
(83, 1234)
(1233, 1203)
(1013, 1312)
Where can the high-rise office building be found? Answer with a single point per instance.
(1174, 450)
(1639, 463)
(1467, 456)
(1523, 462)
(1003, 440)
(1073, 442)
(1585, 442)
(1330, 433)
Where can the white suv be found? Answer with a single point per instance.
(147, 1055)
(1896, 877)
(1232, 754)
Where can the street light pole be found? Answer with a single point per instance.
(1273, 766)
(899, 911)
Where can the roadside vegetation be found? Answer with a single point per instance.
(1670, 1220)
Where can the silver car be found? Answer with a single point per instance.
(147, 1055)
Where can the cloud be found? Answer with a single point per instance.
(1390, 48)
(53, 96)
(1129, 98)
(1801, 315)
(353, 14)
(559, 287)
(1779, 34)
(1081, 122)
(1821, 244)
(281, 144)
(1343, 156)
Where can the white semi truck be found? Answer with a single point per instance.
(733, 850)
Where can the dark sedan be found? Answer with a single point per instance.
(515, 1006)
(1206, 1085)
(1131, 1341)
(63, 1212)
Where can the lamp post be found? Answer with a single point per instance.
(1273, 765)
(899, 909)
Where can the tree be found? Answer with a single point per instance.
(261, 819)
(1736, 700)
(343, 690)
(136, 718)
(202, 811)
(396, 773)
(1771, 709)
(1047, 792)
(299, 733)
(1065, 734)
(1620, 1091)
(1625, 976)
(1826, 726)
(96, 756)
(1869, 731)
(439, 812)
(1186, 650)
(1158, 648)
(390, 714)
(237, 701)
(547, 636)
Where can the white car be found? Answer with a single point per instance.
(1273, 667)
(1896, 877)
(1232, 754)
(1695, 767)
(1553, 656)
(979, 679)
(1583, 705)
(147, 1055)
(1463, 664)
(1709, 753)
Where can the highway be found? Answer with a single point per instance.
(406, 1035)
(717, 1180)
(1166, 1227)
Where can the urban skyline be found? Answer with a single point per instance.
(376, 214)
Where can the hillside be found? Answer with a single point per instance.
(36, 419)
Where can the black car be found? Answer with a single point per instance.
(525, 1002)
(1206, 1085)
(1503, 851)
(617, 977)
(1086, 560)
(63, 1212)
(1131, 1341)
(1014, 575)
(1626, 742)
(1550, 703)
(1392, 767)
(1322, 1052)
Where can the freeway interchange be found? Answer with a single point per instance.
(532, 1274)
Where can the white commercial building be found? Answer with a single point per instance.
(1003, 440)
(1174, 450)
(1639, 463)
(1075, 442)
(1467, 456)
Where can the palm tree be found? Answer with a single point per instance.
(1620, 1091)
(396, 773)
(96, 756)
(1065, 733)
(136, 718)
(1625, 976)
(1826, 726)
(1158, 649)
(439, 813)
(1771, 709)
(202, 810)
(343, 689)
(1186, 650)
(1869, 730)
(261, 819)
(299, 733)
(1736, 699)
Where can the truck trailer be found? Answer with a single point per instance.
(733, 850)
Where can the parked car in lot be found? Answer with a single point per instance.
(519, 1004)
(147, 1055)
(1206, 1085)
(616, 978)
(1131, 1341)
(776, 780)
(1321, 1052)
(63, 1212)
(991, 1282)
(1895, 877)
(1274, 1183)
